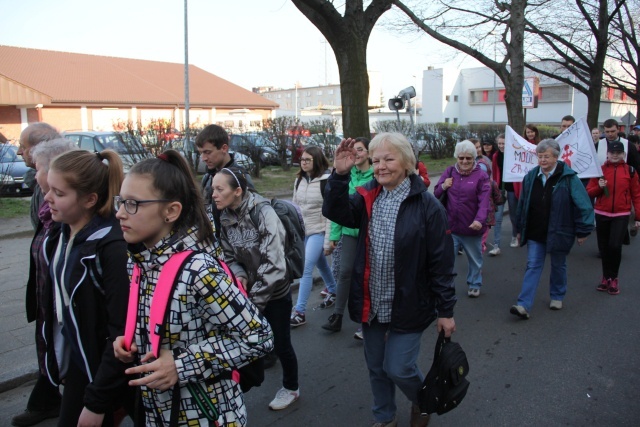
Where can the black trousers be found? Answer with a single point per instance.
(44, 395)
(73, 398)
(278, 313)
(611, 232)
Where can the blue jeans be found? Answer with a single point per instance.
(392, 361)
(536, 254)
(513, 207)
(472, 246)
(314, 255)
(497, 229)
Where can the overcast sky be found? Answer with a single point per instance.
(248, 42)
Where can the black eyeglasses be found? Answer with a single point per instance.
(131, 206)
(306, 160)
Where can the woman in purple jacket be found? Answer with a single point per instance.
(466, 192)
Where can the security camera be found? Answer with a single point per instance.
(408, 92)
(396, 104)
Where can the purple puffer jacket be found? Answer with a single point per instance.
(467, 200)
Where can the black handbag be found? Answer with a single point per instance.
(446, 384)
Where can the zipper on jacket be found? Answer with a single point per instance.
(613, 197)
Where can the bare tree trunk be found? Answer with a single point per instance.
(354, 86)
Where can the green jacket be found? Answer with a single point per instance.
(357, 179)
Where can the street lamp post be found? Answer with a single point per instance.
(186, 73)
(493, 120)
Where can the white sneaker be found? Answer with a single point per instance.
(495, 251)
(555, 304)
(284, 398)
(473, 292)
(514, 242)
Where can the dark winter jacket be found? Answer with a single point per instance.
(423, 250)
(96, 279)
(570, 210)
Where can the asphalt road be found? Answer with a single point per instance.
(574, 367)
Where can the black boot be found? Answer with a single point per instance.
(334, 324)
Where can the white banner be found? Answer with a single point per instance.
(576, 150)
(519, 156)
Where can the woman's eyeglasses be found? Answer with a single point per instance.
(306, 159)
(465, 158)
(131, 206)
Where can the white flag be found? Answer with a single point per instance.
(578, 151)
(519, 156)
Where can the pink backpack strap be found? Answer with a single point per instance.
(161, 296)
(132, 310)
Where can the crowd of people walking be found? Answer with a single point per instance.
(127, 341)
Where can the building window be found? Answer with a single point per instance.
(289, 95)
(446, 119)
(279, 95)
(481, 96)
(446, 98)
(330, 91)
(455, 120)
(319, 93)
(455, 98)
(560, 93)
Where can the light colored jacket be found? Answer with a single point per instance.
(256, 251)
(309, 198)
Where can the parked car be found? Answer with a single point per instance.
(251, 143)
(189, 150)
(12, 171)
(130, 149)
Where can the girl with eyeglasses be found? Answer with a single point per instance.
(210, 327)
(307, 193)
(89, 274)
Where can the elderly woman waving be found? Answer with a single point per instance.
(403, 271)
(464, 190)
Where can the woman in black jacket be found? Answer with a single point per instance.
(403, 273)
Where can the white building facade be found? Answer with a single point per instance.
(476, 96)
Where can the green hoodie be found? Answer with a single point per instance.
(358, 178)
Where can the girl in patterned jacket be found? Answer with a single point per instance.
(211, 327)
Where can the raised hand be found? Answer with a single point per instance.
(345, 156)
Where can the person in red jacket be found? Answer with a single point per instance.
(615, 192)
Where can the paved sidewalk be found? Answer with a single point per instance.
(17, 346)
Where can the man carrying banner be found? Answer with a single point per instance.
(554, 209)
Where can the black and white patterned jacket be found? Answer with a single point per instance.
(212, 328)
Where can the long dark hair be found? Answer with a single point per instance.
(534, 128)
(173, 179)
(320, 162)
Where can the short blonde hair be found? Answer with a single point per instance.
(400, 143)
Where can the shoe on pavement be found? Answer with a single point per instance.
(30, 418)
(613, 287)
(604, 284)
(555, 304)
(358, 335)
(334, 324)
(633, 232)
(417, 420)
(297, 319)
(473, 292)
(324, 292)
(284, 398)
(519, 311)
(329, 301)
(514, 242)
(392, 423)
(495, 251)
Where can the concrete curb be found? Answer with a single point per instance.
(17, 234)
(17, 381)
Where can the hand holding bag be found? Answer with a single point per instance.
(446, 384)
